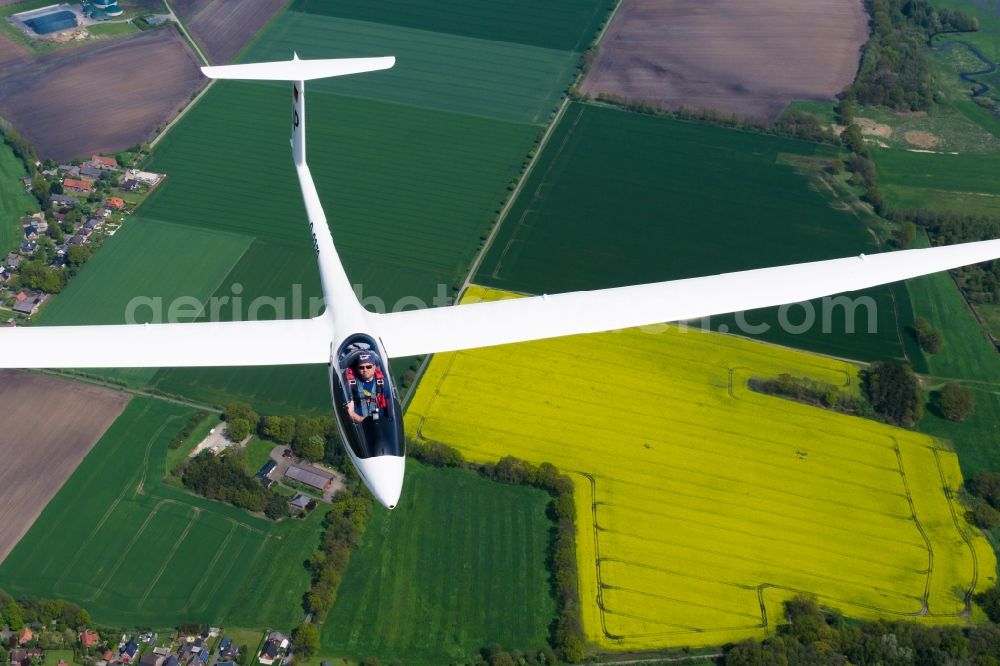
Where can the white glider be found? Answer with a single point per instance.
(357, 344)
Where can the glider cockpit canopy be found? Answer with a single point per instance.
(380, 433)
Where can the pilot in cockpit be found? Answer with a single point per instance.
(367, 390)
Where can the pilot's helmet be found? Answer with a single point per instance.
(366, 357)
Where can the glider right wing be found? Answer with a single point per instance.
(415, 332)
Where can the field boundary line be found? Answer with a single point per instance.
(86, 379)
(604, 30)
(197, 98)
(184, 31)
(170, 555)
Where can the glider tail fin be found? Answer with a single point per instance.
(298, 72)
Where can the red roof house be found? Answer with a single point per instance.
(116, 202)
(76, 184)
(24, 636)
(104, 162)
(89, 639)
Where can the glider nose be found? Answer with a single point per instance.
(384, 475)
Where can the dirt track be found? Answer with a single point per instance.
(47, 426)
(104, 99)
(748, 58)
(226, 26)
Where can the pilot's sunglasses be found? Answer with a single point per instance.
(365, 367)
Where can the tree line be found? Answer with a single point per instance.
(344, 526)
(16, 613)
(814, 636)
(892, 393)
(794, 124)
(812, 392)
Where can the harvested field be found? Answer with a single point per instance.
(41, 446)
(750, 59)
(120, 94)
(224, 27)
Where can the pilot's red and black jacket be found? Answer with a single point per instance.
(362, 405)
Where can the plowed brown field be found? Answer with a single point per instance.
(104, 99)
(47, 426)
(11, 54)
(226, 26)
(747, 58)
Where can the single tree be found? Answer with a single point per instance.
(313, 449)
(955, 402)
(238, 430)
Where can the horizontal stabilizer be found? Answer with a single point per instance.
(298, 70)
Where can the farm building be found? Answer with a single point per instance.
(29, 247)
(301, 502)
(90, 171)
(311, 476)
(130, 185)
(28, 306)
(62, 200)
(264, 473)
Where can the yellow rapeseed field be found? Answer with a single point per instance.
(702, 505)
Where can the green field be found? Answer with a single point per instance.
(936, 171)
(566, 25)
(619, 198)
(711, 504)
(968, 357)
(492, 79)
(14, 201)
(134, 551)
(458, 565)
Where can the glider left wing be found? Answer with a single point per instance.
(415, 332)
(282, 342)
